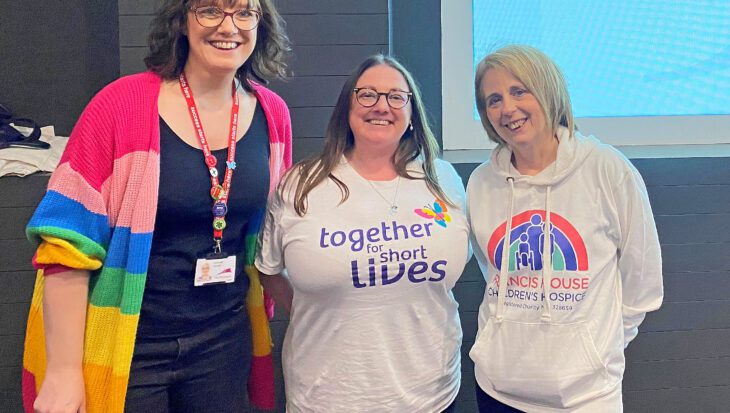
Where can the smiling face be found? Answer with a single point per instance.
(221, 49)
(380, 125)
(513, 111)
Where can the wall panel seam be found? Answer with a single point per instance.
(332, 14)
(679, 387)
(695, 243)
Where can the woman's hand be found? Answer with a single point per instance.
(62, 392)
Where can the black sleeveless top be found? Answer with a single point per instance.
(172, 306)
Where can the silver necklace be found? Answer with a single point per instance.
(393, 206)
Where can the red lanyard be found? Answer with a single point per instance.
(218, 192)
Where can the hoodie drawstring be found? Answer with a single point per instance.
(503, 271)
(547, 259)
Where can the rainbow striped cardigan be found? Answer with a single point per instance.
(98, 215)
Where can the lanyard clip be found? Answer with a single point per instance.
(217, 246)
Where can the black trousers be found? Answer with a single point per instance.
(203, 372)
(488, 404)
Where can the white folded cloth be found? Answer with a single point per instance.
(25, 161)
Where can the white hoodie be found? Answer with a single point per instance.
(558, 346)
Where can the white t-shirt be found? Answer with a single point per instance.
(374, 325)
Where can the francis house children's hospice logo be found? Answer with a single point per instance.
(391, 252)
(527, 240)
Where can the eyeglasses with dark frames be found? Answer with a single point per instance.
(211, 16)
(367, 97)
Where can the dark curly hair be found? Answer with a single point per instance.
(169, 45)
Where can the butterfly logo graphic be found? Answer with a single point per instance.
(437, 213)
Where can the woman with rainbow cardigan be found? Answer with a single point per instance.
(128, 215)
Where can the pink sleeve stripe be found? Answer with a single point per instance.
(29, 391)
(69, 182)
(55, 269)
(87, 151)
(261, 382)
(49, 269)
(277, 113)
(275, 164)
(121, 118)
(135, 180)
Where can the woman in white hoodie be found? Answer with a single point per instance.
(567, 290)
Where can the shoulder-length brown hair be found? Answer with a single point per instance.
(418, 143)
(169, 45)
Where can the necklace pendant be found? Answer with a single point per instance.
(393, 209)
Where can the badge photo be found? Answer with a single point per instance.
(215, 271)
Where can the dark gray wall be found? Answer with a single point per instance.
(415, 39)
(680, 362)
(55, 55)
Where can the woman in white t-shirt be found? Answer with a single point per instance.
(373, 236)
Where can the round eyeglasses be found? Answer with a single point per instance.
(211, 16)
(397, 99)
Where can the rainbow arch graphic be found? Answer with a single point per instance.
(527, 240)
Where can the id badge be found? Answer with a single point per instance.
(215, 271)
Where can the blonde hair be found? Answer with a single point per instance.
(540, 75)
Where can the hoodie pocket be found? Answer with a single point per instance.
(555, 365)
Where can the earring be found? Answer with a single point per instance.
(410, 126)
